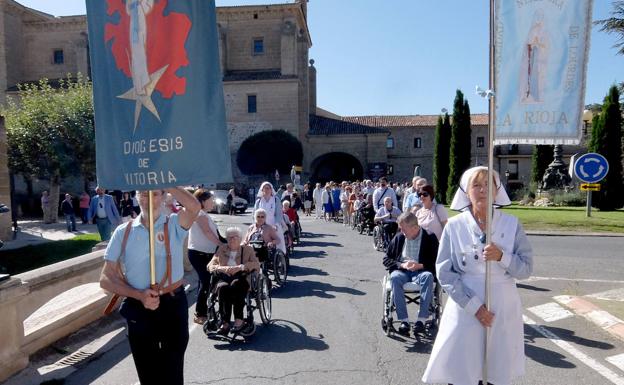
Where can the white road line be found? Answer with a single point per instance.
(609, 295)
(570, 279)
(617, 361)
(550, 312)
(603, 318)
(579, 355)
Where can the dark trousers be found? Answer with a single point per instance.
(232, 294)
(390, 229)
(200, 260)
(158, 338)
(83, 215)
(480, 383)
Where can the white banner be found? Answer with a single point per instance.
(540, 64)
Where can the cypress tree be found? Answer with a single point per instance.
(542, 156)
(606, 140)
(441, 157)
(459, 156)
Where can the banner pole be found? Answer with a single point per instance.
(490, 198)
(150, 216)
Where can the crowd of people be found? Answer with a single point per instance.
(423, 245)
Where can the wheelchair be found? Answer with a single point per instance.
(272, 261)
(258, 298)
(296, 232)
(365, 223)
(412, 295)
(381, 237)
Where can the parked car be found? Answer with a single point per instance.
(221, 207)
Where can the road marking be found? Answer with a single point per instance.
(609, 295)
(593, 313)
(617, 361)
(579, 355)
(550, 312)
(570, 279)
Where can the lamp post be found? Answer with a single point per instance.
(277, 176)
(507, 180)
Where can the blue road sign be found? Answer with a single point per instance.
(591, 167)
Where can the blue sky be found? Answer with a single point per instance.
(404, 57)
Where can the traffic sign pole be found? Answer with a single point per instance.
(589, 203)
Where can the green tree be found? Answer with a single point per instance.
(267, 151)
(606, 140)
(51, 133)
(441, 157)
(459, 156)
(615, 25)
(542, 156)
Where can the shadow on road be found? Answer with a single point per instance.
(296, 289)
(316, 235)
(280, 336)
(309, 254)
(322, 244)
(530, 287)
(299, 271)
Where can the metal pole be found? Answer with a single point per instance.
(589, 203)
(488, 225)
(150, 216)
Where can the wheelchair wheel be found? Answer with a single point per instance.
(212, 323)
(386, 315)
(263, 299)
(248, 330)
(360, 228)
(280, 269)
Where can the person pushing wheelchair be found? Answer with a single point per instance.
(411, 257)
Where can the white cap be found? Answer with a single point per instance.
(461, 199)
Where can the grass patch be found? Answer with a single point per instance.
(17, 261)
(566, 219)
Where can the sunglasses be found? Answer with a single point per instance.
(423, 194)
(259, 216)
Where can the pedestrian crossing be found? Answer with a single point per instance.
(564, 307)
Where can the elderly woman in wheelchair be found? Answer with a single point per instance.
(264, 240)
(410, 261)
(231, 267)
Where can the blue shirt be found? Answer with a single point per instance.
(411, 249)
(411, 201)
(136, 260)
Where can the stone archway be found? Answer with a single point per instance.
(336, 166)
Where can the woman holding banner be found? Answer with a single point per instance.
(458, 352)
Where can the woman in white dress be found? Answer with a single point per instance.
(267, 200)
(458, 351)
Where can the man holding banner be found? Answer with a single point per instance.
(156, 316)
(159, 111)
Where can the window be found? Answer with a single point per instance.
(58, 56)
(480, 141)
(390, 142)
(417, 143)
(512, 167)
(252, 104)
(390, 169)
(258, 46)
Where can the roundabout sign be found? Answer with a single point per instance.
(591, 167)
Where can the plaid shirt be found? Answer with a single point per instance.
(411, 249)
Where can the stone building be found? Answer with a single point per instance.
(269, 83)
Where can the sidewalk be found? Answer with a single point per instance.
(33, 232)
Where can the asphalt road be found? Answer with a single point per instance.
(326, 327)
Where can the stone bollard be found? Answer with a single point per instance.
(12, 357)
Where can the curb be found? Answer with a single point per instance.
(593, 313)
(545, 233)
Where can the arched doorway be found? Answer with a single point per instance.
(336, 166)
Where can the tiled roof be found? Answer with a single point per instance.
(408, 120)
(239, 76)
(320, 125)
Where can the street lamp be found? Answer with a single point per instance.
(507, 179)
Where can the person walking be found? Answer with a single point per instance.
(203, 241)
(45, 207)
(156, 317)
(85, 199)
(458, 352)
(318, 201)
(103, 212)
(70, 214)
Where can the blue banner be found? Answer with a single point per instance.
(158, 94)
(540, 66)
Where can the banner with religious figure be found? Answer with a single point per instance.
(540, 65)
(158, 94)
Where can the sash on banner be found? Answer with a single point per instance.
(158, 94)
(540, 66)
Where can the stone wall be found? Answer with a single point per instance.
(5, 192)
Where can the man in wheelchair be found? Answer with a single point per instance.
(411, 257)
(387, 215)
